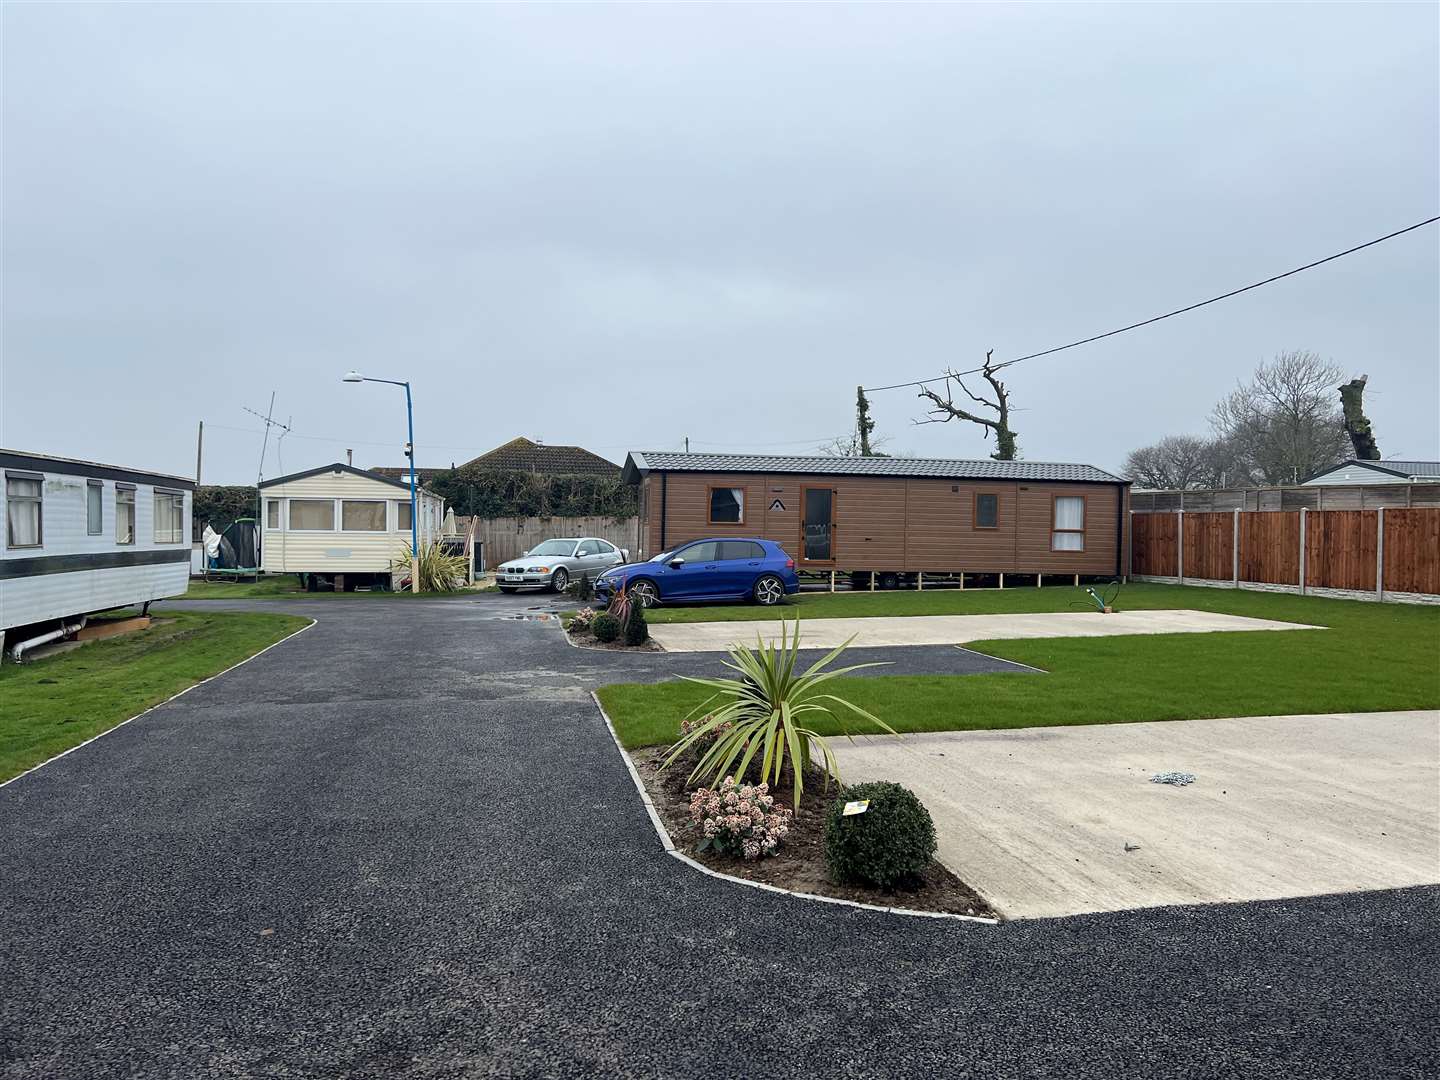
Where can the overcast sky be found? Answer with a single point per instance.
(621, 225)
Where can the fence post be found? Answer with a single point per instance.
(1380, 554)
(1235, 550)
(1302, 551)
(1129, 547)
(1180, 543)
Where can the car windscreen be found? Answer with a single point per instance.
(663, 556)
(553, 547)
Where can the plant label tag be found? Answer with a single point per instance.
(859, 806)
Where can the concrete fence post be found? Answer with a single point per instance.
(1302, 551)
(1180, 544)
(1235, 550)
(1380, 554)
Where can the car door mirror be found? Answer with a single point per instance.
(676, 564)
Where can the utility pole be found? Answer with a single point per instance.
(199, 449)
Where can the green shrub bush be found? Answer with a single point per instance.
(888, 845)
(605, 627)
(636, 628)
(582, 589)
(581, 621)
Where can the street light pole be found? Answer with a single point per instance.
(356, 377)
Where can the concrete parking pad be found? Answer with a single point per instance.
(1039, 820)
(956, 629)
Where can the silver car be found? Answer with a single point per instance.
(556, 563)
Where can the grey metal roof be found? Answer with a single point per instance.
(935, 468)
(1393, 466)
(340, 467)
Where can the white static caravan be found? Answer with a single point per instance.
(82, 537)
(341, 525)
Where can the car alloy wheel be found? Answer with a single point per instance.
(769, 590)
(560, 579)
(645, 593)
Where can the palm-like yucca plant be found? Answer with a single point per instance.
(767, 709)
(439, 572)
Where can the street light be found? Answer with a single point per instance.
(356, 377)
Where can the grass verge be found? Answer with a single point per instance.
(51, 705)
(287, 586)
(1372, 657)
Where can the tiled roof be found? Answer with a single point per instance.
(523, 455)
(938, 468)
(402, 473)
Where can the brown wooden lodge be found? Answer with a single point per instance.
(891, 520)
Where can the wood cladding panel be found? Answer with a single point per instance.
(888, 523)
(1035, 522)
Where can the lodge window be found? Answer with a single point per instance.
(169, 517)
(272, 513)
(124, 513)
(23, 510)
(402, 516)
(1069, 528)
(987, 511)
(362, 515)
(312, 515)
(94, 507)
(727, 506)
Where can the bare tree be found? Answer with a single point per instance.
(1284, 425)
(859, 442)
(1176, 461)
(944, 408)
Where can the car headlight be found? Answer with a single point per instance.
(540, 569)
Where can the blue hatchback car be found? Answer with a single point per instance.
(722, 569)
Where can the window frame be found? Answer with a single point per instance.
(95, 528)
(160, 497)
(401, 506)
(710, 490)
(37, 499)
(274, 504)
(1080, 532)
(290, 520)
(127, 495)
(384, 527)
(975, 510)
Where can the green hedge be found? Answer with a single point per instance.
(491, 493)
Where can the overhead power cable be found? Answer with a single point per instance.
(1169, 314)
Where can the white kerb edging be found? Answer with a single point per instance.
(157, 705)
(671, 849)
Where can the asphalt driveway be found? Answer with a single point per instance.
(403, 844)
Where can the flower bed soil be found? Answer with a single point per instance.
(799, 865)
(588, 640)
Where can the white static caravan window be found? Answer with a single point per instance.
(272, 513)
(169, 517)
(1069, 531)
(23, 510)
(362, 515)
(124, 513)
(94, 507)
(313, 515)
(402, 516)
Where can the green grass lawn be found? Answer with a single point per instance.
(1372, 657)
(53, 704)
(287, 586)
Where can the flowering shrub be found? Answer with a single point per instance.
(739, 819)
(581, 620)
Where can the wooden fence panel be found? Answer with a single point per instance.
(1209, 545)
(1412, 551)
(1270, 547)
(1340, 549)
(1152, 549)
(511, 537)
